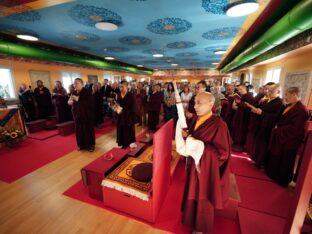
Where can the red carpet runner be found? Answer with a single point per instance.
(33, 154)
(169, 218)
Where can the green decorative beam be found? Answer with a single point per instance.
(13, 49)
(296, 21)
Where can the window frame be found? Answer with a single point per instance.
(10, 68)
(71, 77)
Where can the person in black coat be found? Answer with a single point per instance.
(27, 99)
(44, 101)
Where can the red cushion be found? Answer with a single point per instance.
(143, 172)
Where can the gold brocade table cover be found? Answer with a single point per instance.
(121, 180)
(10, 119)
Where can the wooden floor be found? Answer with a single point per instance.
(35, 204)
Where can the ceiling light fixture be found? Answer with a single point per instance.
(139, 65)
(27, 37)
(174, 64)
(158, 55)
(238, 8)
(106, 26)
(215, 63)
(219, 52)
(109, 58)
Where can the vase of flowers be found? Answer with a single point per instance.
(11, 137)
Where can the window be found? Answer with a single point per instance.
(273, 75)
(68, 79)
(113, 78)
(6, 84)
(128, 78)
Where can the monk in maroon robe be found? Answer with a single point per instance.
(268, 114)
(126, 119)
(83, 114)
(141, 99)
(209, 148)
(227, 111)
(154, 105)
(241, 118)
(97, 106)
(286, 138)
(43, 99)
(60, 98)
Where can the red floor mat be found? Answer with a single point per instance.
(263, 196)
(33, 154)
(169, 218)
(43, 135)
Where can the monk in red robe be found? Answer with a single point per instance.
(286, 138)
(241, 118)
(268, 114)
(228, 112)
(208, 146)
(83, 113)
(154, 105)
(126, 110)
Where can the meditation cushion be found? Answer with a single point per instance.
(143, 172)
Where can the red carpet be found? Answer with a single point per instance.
(245, 167)
(43, 135)
(259, 223)
(169, 218)
(263, 196)
(33, 154)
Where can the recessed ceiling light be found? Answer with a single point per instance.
(241, 7)
(106, 26)
(158, 55)
(27, 37)
(215, 63)
(174, 64)
(109, 58)
(139, 65)
(219, 51)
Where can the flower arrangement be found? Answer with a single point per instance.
(11, 137)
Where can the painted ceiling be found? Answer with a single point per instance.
(187, 32)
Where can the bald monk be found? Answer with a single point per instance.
(208, 147)
(286, 138)
(268, 113)
(228, 112)
(241, 118)
(83, 113)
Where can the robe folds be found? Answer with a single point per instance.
(126, 120)
(271, 111)
(43, 99)
(284, 143)
(191, 105)
(98, 108)
(228, 112)
(209, 188)
(241, 120)
(154, 106)
(60, 99)
(83, 114)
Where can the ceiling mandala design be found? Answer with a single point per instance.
(153, 51)
(186, 54)
(90, 15)
(181, 45)
(168, 26)
(135, 40)
(116, 49)
(222, 33)
(81, 36)
(29, 16)
(136, 57)
(215, 6)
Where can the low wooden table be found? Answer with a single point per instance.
(136, 151)
(93, 174)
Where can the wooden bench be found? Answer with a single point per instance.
(36, 126)
(66, 128)
(51, 123)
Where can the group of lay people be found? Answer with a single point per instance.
(269, 129)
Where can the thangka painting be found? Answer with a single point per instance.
(300, 80)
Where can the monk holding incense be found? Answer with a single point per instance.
(208, 147)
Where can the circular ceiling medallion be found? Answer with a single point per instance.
(169, 26)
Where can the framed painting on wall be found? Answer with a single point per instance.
(302, 81)
(92, 79)
(44, 76)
